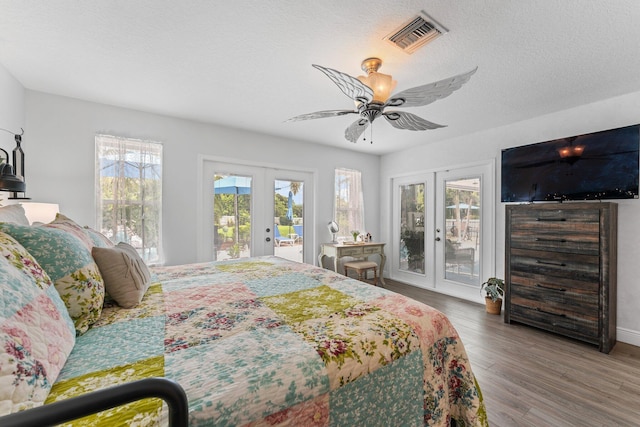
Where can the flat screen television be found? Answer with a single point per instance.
(593, 166)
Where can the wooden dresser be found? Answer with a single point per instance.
(561, 269)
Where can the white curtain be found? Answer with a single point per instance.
(348, 203)
(129, 193)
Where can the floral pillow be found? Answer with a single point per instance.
(70, 266)
(36, 332)
(70, 226)
(89, 236)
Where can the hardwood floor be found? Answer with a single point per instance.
(532, 378)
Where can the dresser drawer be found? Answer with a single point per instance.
(557, 241)
(559, 265)
(542, 283)
(372, 250)
(579, 327)
(355, 251)
(559, 298)
(554, 217)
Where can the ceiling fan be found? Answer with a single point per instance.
(371, 94)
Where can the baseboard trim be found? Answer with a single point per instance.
(628, 336)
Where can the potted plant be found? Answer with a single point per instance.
(493, 292)
(355, 234)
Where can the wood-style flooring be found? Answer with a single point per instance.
(533, 378)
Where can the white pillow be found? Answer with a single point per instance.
(14, 214)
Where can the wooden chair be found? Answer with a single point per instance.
(361, 267)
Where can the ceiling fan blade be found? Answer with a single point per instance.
(321, 114)
(426, 94)
(350, 86)
(403, 120)
(355, 129)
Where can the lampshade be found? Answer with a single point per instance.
(381, 84)
(9, 181)
(40, 212)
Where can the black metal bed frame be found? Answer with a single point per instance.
(59, 412)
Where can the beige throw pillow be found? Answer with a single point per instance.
(126, 276)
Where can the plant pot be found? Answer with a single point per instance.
(493, 307)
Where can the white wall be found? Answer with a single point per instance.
(59, 151)
(612, 113)
(11, 111)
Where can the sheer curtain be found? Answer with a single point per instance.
(348, 209)
(129, 193)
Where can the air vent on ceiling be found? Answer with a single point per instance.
(416, 33)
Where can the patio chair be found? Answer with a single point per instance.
(278, 239)
(298, 230)
(456, 256)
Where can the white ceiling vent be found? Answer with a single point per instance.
(416, 32)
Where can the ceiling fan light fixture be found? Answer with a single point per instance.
(371, 96)
(381, 84)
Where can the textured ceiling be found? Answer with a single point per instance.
(247, 64)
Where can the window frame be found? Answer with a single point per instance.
(348, 215)
(125, 156)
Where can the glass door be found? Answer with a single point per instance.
(290, 205)
(464, 230)
(443, 230)
(412, 242)
(232, 203)
(254, 211)
(288, 214)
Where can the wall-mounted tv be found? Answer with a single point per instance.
(593, 166)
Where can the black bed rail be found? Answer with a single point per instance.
(76, 407)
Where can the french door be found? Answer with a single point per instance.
(443, 230)
(253, 210)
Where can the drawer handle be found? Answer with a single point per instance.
(559, 264)
(538, 239)
(548, 312)
(551, 219)
(550, 287)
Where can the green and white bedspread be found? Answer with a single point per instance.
(265, 341)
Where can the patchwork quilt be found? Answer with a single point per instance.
(265, 341)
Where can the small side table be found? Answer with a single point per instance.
(361, 250)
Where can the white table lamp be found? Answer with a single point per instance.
(40, 212)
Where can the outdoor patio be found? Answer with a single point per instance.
(290, 252)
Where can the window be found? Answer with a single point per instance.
(348, 209)
(129, 193)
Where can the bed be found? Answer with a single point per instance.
(266, 341)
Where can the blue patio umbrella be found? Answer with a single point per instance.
(233, 185)
(290, 206)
